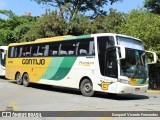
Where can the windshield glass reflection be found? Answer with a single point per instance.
(134, 65)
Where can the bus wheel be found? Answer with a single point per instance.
(86, 88)
(26, 79)
(19, 79)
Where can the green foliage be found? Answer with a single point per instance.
(48, 25)
(81, 25)
(110, 22)
(145, 26)
(6, 36)
(73, 14)
(52, 24)
(8, 13)
(73, 7)
(153, 6)
(13, 28)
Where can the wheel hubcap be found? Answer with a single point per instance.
(25, 79)
(18, 78)
(87, 87)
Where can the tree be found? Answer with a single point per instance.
(6, 27)
(71, 10)
(153, 6)
(48, 25)
(73, 7)
(13, 28)
(145, 26)
(8, 13)
(110, 22)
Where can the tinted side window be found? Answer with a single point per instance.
(34, 50)
(53, 49)
(68, 48)
(26, 51)
(104, 43)
(21, 50)
(46, 50)
(40, 50)
(11, 52)
(86, 47)
(14, 52)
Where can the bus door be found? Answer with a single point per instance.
(111, 63)
(107, 58)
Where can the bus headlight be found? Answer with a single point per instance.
(123, 81)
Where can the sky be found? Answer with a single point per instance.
(19, 7)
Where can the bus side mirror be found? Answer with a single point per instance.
(153, 57)
(121, 51)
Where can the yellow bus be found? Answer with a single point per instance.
(103, 62)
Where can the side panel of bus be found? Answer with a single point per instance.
(56, 70)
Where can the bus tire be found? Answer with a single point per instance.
(25, 79)
(86, 88)
(18, 79)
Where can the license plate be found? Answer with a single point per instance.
(137, 89)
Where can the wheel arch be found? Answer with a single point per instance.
(85, 77)
(24, 73)
(16, 74)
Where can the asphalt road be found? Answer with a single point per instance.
(51, 98)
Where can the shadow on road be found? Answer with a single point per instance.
(96, 95)
(2, 78)
(121, 96)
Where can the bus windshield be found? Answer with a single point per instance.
(135, 63)
(130, 43)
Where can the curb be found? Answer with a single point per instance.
(153, 91)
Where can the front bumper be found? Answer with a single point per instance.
(127, 88)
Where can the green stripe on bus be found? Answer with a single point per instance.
(52, 68)
(77, 37)
(64, 68)
(59, 68)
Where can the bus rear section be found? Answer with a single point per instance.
(3, 51)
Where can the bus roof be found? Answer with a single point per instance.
(70, 37)
(114, 34)
(4, 47)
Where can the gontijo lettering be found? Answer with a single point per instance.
(33, 61)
